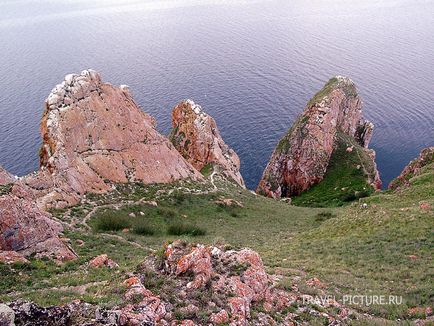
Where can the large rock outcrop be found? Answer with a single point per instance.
(413, 168)
(198, 285)
(196, 136)
(302, 156)
(94, 134)
(25, 229)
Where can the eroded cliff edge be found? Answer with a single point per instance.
(332, 120)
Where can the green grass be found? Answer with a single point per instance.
(5, 189)
(185, 229)
(112, 221)
(350, 249)
(207, 170)
(332, 84)
(345, 179)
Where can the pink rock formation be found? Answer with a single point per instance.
(413, 168)
(93, 134)
(302, 156)
(196, 136)
(5, 177)
(24, 228)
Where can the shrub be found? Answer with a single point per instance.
(185, 229)
(142, 228)
(167, 213)
(112, 221)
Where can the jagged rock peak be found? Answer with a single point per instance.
(95, 134)
(196, 136)
(302, 156)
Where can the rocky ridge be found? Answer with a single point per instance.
(95, 134)
(413, 168)
(302, 156)
(196, 136)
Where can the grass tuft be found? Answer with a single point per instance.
(179, 228)
(112, 221)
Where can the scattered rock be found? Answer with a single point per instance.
(302, 156)
(102, 260)
(196, 136)
(228, 202)
(412, 257)
(316, 283)
(425, 206)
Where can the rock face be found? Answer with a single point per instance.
(196, 136)
(93, 134)
(25, 229)
(413, 168)
(302, 156)
(5, 177)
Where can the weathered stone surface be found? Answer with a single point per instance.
(301, 158)
(94, 133)
(196, 136)
(25, 229)
(413, 168)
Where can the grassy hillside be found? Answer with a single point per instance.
(386, 248)
(345, 179)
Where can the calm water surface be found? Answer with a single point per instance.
(252, 65)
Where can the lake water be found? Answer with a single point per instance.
(252, 65)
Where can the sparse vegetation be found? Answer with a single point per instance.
(345, 179)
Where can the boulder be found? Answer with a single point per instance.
(196, 136)
(333, 117)
(103, 260)
(413, 168)
(94, 134)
